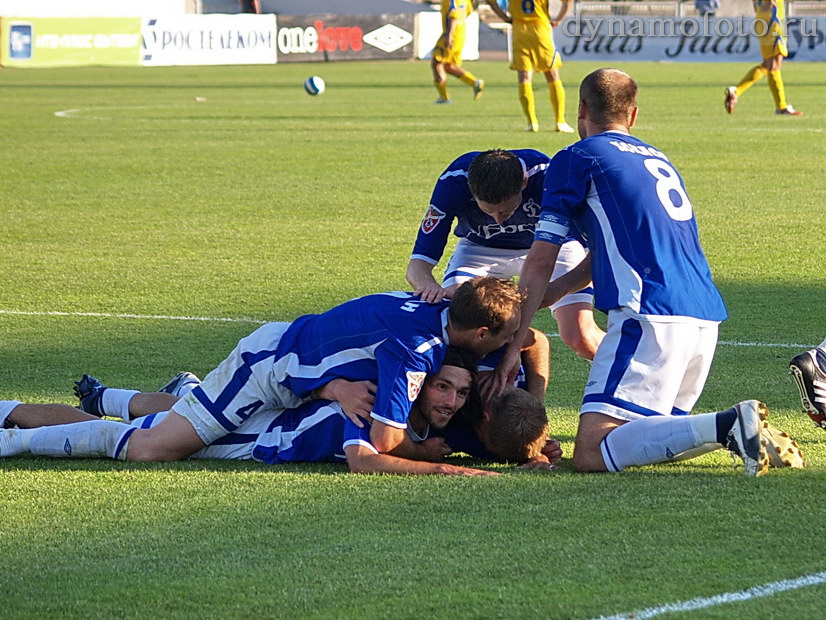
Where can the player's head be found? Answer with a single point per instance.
(607, 98)
(446, 392)
(496, 179)
(514, 425)
(484, 314)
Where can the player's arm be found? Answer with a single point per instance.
(420, 276)
(536, 361)
(355, 397)
(575, 280)
(433, 449)
(563, 12)
(362, 460)
(533, 281)
(505, 17)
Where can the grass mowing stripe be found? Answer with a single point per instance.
(768, 589)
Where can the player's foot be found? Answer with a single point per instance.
(788, 111)
(731, 99)
(89, 390)
(744, 438)
(809, 372)
(781, 449)
(180, 384)
(440, 100)
(478, 87)
(564, 128)
(10, 444)
(532, 128)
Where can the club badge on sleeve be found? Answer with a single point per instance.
(414, 384)
(432, 219)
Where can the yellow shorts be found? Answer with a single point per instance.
(773, 42)
(453, 55)
(533, 47)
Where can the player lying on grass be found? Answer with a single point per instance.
(511, 428)
(393, 340)
(494, 198)
(651, 277)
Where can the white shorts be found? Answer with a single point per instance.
(240, 386)
(236, 446)
(645, 368)
(470, 260)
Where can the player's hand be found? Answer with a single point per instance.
(493, 384)
(552, 450)
(432, 293)
(355, 397)
(540, 463)
(555, 23)
(457, 470)
(434, 449)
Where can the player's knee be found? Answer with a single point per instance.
(588, 460)
(143, 448)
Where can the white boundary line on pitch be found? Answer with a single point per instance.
(106, 315)
(767, 589)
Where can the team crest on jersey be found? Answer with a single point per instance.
(414, 384)
(432, 219)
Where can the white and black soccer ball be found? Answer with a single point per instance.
(314, 85)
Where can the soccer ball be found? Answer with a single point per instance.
(314, 85)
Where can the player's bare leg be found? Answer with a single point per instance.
(34, 416)
(593, 428)
(171, 440)
(578, 330)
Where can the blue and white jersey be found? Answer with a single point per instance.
(631, 207)
(316, 432)
(452, 199)
(392, 339)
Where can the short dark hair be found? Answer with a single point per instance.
(518, 426)
(495, 175)
(484, 302)
(610, 95)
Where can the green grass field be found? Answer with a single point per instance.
(138, 219)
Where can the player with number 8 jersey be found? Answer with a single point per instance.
(632, 208)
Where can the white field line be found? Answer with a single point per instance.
(162, 317)
(767, 589)
(107, 315)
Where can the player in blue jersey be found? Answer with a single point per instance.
(391, 339)
(494, 198)
(652, 279)
(512, 428)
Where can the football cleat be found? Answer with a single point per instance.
(744, 438)
(478, 87)
(532, 128)
(180, 384)
(731, 99)
(810, 377)
(788, 111)
(89, 390)
(440, 100)
(564, 128)
(781, 449)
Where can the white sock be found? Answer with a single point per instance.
(115, 402)
(822, 345)
(95, 438)
(656, 439)
(6, 407)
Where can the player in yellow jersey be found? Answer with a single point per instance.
(534, 50)
(447, 55)
(770, 15)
